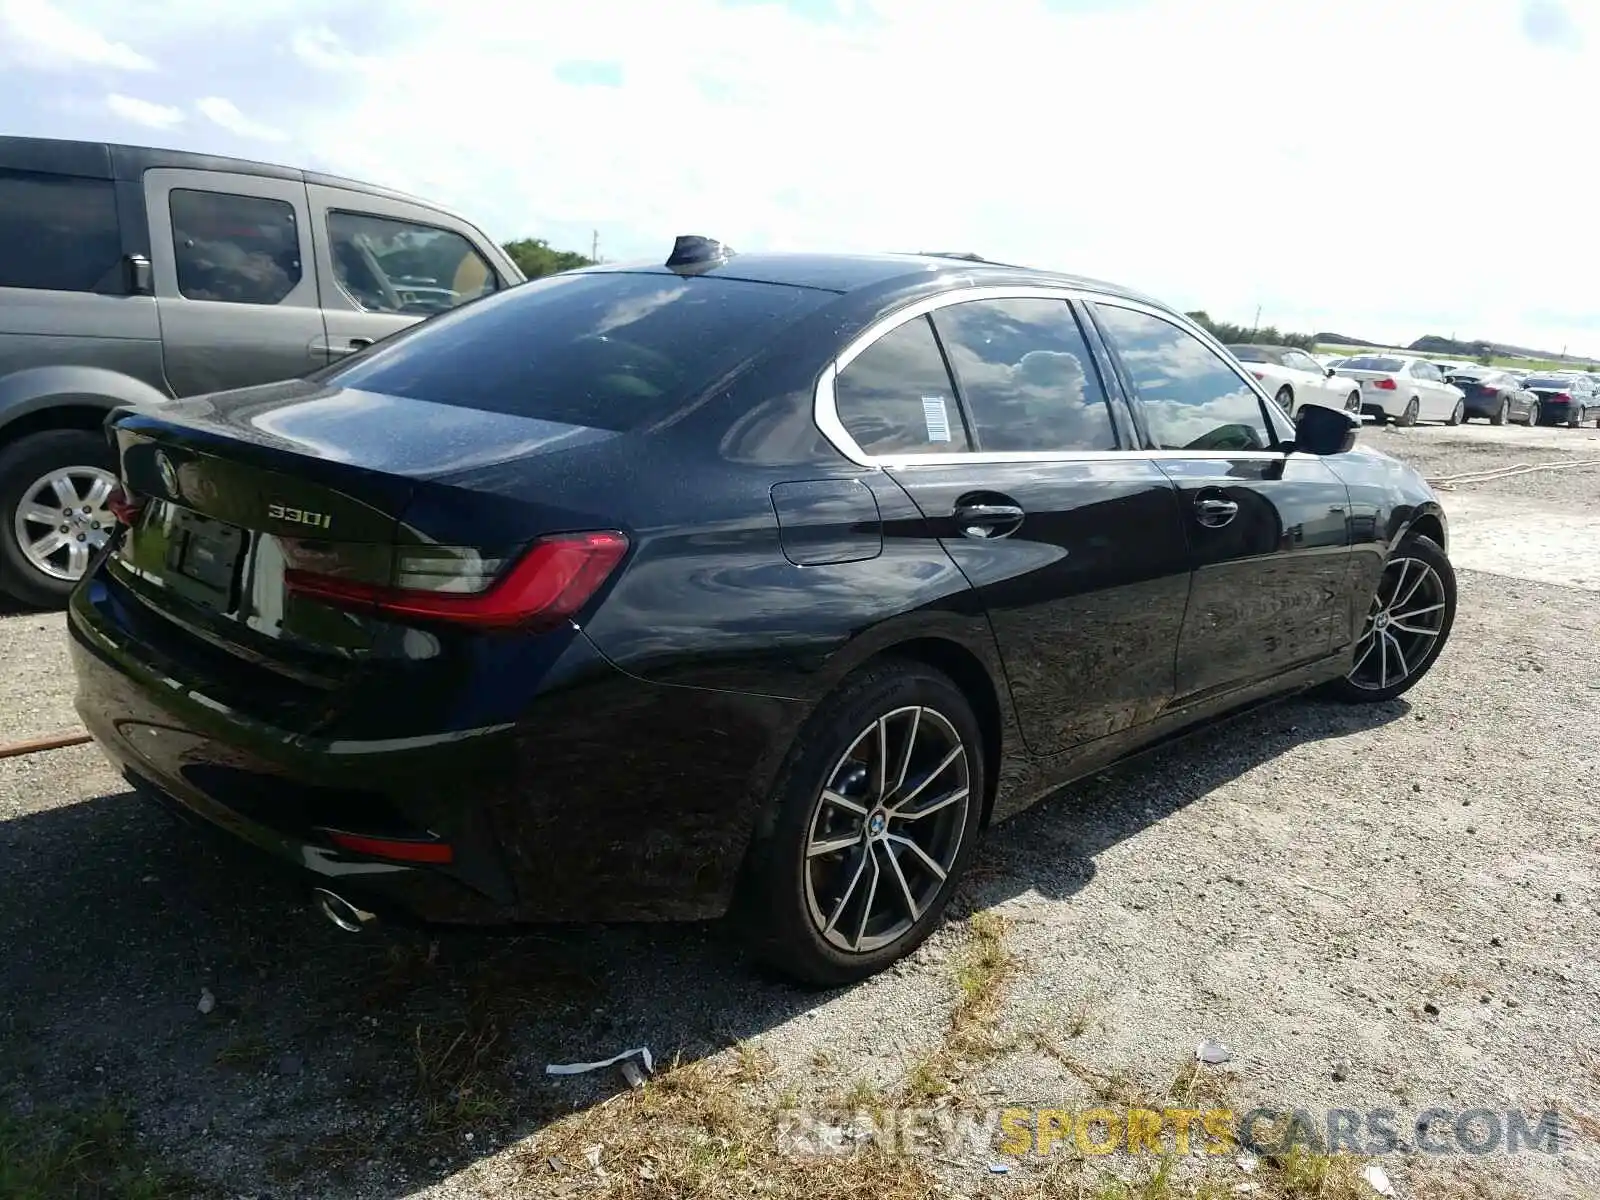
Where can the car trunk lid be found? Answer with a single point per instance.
(270, 523)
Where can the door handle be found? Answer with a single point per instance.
(1215, 511)
(350, 346)
(988, 520)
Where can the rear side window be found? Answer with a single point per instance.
(895, 397)
(57, 232)
(238, 249)
(1191, 399)
(391, 266)
(1370, 362)
(609, 349)
(1026, 377)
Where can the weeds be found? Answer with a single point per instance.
(89, 1155)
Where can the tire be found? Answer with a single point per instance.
(26, 463)
(1533, 416)
(1352, 402)
(1458, 413)
(788, 899)
(1285, 399)
(1409, 417)
(1501, 414)
(1577, 419)
(1417, 652)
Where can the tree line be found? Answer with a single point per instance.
(1235, 335)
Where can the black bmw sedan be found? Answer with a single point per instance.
(744, 584)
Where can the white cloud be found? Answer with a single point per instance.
(144, 112)
(36, 33)
(226, 114)
(1340, 163)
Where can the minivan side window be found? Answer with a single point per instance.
(895, 397)
(237, 249)
(1027, 378)
(390, 266)
(1191, 399)
(59, 232)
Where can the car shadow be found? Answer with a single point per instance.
(150, 966)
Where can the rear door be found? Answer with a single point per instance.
(235, 290)
(384, 264)
(993, 415)
(1267, 533)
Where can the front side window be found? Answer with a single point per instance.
(392, 266)
(895, 397)
(58, 233)
(1191, 398)
(237, 249)
(1027, 378)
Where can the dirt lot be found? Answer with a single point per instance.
(1393, 908)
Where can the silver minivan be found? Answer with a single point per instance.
(131, 275)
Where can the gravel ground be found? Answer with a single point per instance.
(1394, 907)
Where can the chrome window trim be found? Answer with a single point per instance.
(825, 412)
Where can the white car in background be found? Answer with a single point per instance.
(1295, 378)
(1405, 389)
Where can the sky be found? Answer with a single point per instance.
(1382, 168)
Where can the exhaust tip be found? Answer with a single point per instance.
(341, 912)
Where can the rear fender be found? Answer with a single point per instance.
(37, 389)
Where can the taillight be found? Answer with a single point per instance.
(1386, 385)
(1258, 374)
(1564, 397)
(124, 505)
(542, 588)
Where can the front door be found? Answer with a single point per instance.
(1268, 531)
(1075, 547)
(235, 287)
(385, 265)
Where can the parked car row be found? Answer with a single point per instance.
(1405, 389)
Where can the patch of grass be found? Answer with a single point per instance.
(983, 968)
(245, 1051)
(459, 1075)
(91, 1155)
(693, 1131)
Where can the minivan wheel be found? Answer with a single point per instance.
(54, 487)
(1407, 624)
(877, 812)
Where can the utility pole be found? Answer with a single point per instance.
(1257, 325)
(594, 246)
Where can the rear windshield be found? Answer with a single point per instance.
(1546, 381)
(610, 350)
(1250, 354)
(1373, 363)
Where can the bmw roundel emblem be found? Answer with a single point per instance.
(168, 472)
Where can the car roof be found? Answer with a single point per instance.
(114, 160)
(854, 272)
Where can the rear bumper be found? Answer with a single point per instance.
(609, 798)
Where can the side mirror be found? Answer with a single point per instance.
(1332, 371)
(1322, 430)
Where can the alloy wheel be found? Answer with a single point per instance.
(886, 829)
(1403, 626)
(62, 519)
